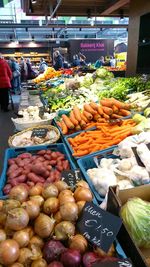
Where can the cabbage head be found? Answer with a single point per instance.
(136, 216)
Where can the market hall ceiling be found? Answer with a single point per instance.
(76, 7)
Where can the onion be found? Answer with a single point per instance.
(51, 205)
(32, 208)
(101, 253)
(83, 194)
(61, 185)
(16, 264)
(65, 199)
(71, 258)
(36, 252)
(50, 191)
(43, 225)
(79, 242)
(22, 238)
(29, 230)
(39, 263)
(10, 204)
(17, 219)
(69, 211)
(52, 250)
(19, 192)
(63, 230)
(83, 184)
(3, 217)
(9, 251)
(25, 257)
(2, 235)
(55, 264)
(65, 192)
(57, 217)
(38, 199)
(89, 258)
(36, 190)
(1, 204)
(80, 205)
(36, 240)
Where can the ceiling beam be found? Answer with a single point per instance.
(114, 7)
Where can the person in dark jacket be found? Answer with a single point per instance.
(31, 74)
(58, 60)
(16, 80)
(5, 83)
(76, 61)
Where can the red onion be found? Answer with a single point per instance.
(55, 264)
(89, 258)
(52, 250)
(109, 259)
(71, 258)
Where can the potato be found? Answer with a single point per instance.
(41, 152)
(39, 169)
(11, 161)
(35, 178)
(25, 155)
(16, 173)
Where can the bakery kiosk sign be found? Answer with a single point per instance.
(92, 47)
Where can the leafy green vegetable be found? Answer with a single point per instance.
(136, 216)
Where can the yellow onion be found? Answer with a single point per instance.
(50, 191)
(69, 211)
(3, 217)
(51, 205)
(65, 199)
(79, 242)
(36, 190)
(29, 230)
(25, 257)
(10, 204)
(22, 238)
(65, 192)
(61, 185)
(57, 217)
(80, 205)
(2, 235)
(83, 194)
(9, 232)
(1, 204)
(36, 252)
(39, 200)
(83, 184)
(9, 251)
(39, 263)
(43, 225)
(64, 229)
(16, 264)
(19, 192)
(36, 240)
(101, 253)
(32, 208)
(17, 219)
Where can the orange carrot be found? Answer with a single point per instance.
(64, 127)
(73, 119)
(107, 102)
(107, 110)
(116, 116)
(124, 112)
(82, 124)
(78, 128)
(118, 103)
(68, 122)
(96, 117)
(89, 109)
(77, 113)
(88, 115)
(94, 105)
(100, 110)
(106, 116)
(80, 153)
(101, 120)
(115, 109)
(84, 118)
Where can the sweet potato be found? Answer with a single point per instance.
(38, 169)
(30, 184)
(48, 152)
(41, 152)
(20, 162)
(60, 158)
(12, 168)
(7, 189)
(49, 167)
(41, 158)
(53, 162)
(46, 174)
(11, 161)
(47, 156)
(35, 178)
(16, 173)
(27, 161)
(25, 155)
(20, 179)
(59, 167)
(66, 165)
(54, 155)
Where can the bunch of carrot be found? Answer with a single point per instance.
(104, 137)
(108, 109)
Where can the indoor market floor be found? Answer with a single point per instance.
(6, 128)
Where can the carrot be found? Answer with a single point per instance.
(84, 118)
(77, 113)
(68, 122)
(115, 109)
(64, 127)
(96, 117)
(59, 124)
(118, 103)
(100, 110)
(78, 128)
(80, 153)
(107, 110)
(94, 105)
(88, 115)
(106, 116)
(124, 112)
(101, 120)
(116, 116)
(82, 124)
(90, 125)
(107, 102)
(73, 119)
(89, 109)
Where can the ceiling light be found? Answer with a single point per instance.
(34, 1)
(92, 23)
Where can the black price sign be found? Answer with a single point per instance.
(72, 177)
(98, 226)
(39, 132)
(118, 263)
(138, 160)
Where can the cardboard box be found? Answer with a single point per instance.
(140, 257)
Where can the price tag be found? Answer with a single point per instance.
(118, 263)
(139, 162)
(39, 132)
(98, 226)
(71, 177)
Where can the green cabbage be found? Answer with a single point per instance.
(136, 216)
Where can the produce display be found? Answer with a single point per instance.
(38, 228)
(109, 109)
(105, 136)
(42, 167)
(49, 73)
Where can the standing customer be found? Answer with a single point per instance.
(100, 62)
(58, 60)
(16, 82)
(31, 73)
(43, 65)
(5, 83)
(23, 70)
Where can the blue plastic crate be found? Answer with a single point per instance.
(14, 152)
(88, 163)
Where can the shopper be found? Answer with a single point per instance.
(76, 61)
(5, 83)
(23, 70)
(16, 80)
(112, 61)
(82, 59)
(58, 60)
(100, 62)
(31, 73)
(43, 65)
